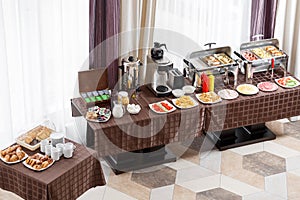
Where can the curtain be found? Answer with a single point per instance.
(42, 46)
(263, 17)
(104, 24)
(287, 32)
(224, 22)
(137, 22)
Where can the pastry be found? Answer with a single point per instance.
(45, 164)
(6, 158)
(28, 139)
(13, 158)
(37, 166)
(21, 155)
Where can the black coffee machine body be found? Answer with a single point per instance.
(157, 71)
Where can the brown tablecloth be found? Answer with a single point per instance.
(249, 110)
(115, 136)
(144, 130)
(65, 179)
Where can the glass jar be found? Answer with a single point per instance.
(123, 98)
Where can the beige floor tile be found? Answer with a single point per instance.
(293, 186)
(123, 184)
(280, 150)
(289, 142)
(181, 193)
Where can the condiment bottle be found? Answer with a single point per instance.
(211, 83)
(205, 83)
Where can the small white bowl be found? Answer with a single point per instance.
(178, 93)
(188, 89)
(133, 109)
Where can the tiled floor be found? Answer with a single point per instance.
(263, 171)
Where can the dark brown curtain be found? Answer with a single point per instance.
(263, 16)
(103, 40)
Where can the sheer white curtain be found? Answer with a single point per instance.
(225, 22)
(42, 46)
(287, 31)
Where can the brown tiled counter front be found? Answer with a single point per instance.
(256, 109)
(144, 130)
(66, 179)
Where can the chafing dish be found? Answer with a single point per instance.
(214, 60)
(258, 56)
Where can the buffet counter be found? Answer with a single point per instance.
(66, 179)
(223, 122)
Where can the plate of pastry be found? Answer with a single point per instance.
(13, 154)
(31, 138)
(185, 102)
(97, 114)
(209, 98)
(38, 162)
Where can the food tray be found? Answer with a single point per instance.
(37, 170)
(34, 147)
(159, 104)
(195, 103)
(208, 102)
(225, 59)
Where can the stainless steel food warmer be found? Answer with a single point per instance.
(213, 60)
(262, 56)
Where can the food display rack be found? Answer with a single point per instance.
(195, 64)
(262, 64)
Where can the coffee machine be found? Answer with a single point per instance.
(157, 71)
(129, 73)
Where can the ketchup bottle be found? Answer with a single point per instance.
(205, 83)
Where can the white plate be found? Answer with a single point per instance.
(15, 162)
(194, 101)
(267, 90)
(254, 90)
(165, 101)
(285, 86)
(107, 116)
(210, 102)
(37, 170)
(228, 94)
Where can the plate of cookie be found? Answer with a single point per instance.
(13, 154)
(31, 138)
(38, 162)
